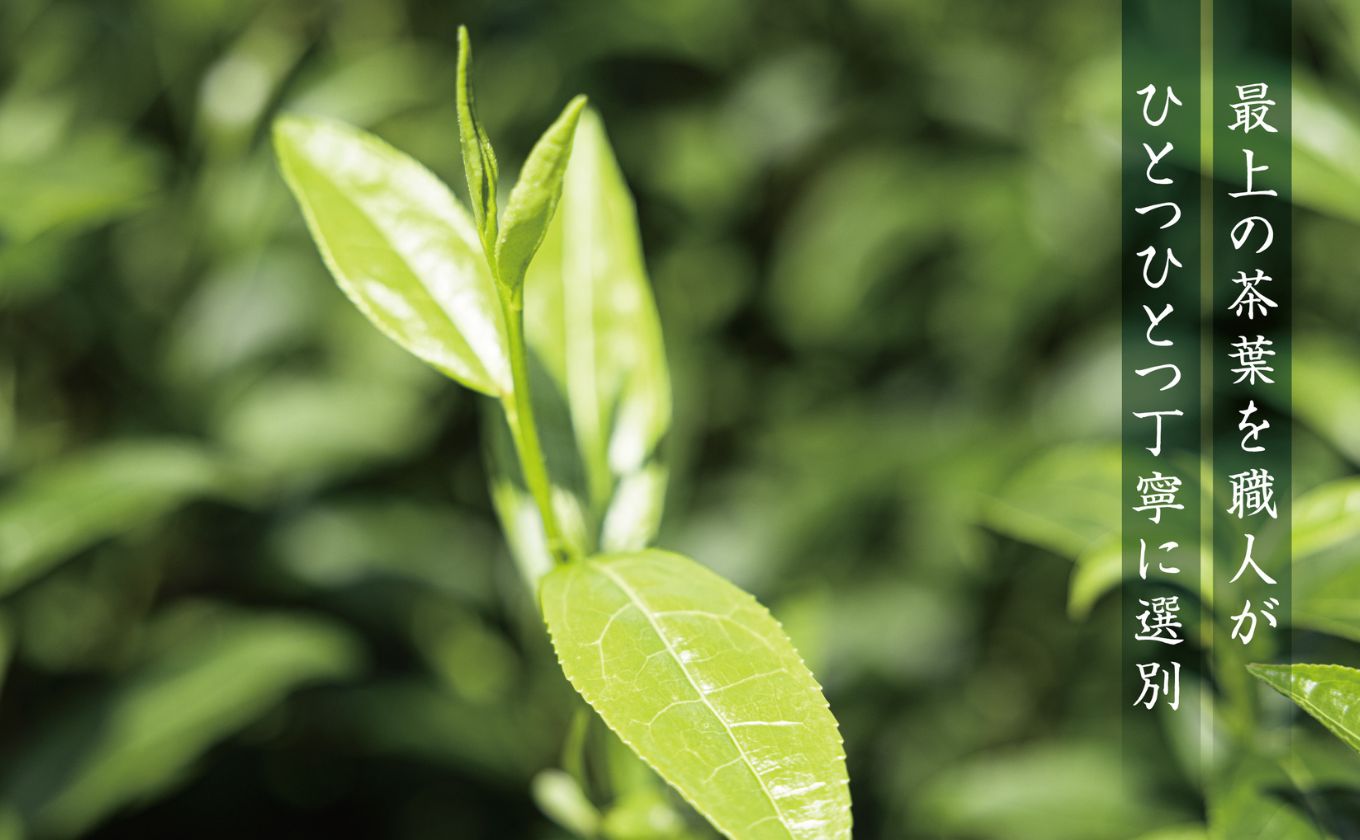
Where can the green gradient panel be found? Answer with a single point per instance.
(1251, 349)
(1161, 212)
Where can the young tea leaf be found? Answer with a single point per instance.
(400, 246)
(702, 683)
(479, 160)
(1330, 693)
(593, 328)
(533, 200)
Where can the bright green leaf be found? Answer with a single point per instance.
(702, 683)
(602, 397)
(534, 198)
(1330, 693)
(479, 159)
(217, 671)
(400, 246)
(64, 508)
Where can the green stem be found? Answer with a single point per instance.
(519, 413)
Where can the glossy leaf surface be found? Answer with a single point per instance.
(704, 685)
(400, 246)
(1330, 693)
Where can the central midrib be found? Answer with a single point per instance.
(647, 613)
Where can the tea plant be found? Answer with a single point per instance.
(1067, 501)
(545, 307)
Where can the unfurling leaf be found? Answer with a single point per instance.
(702, 683)
(479, 159)
(533, 200)
(1330, 693)
(400, 246)
(592, 325)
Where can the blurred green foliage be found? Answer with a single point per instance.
(251, 579)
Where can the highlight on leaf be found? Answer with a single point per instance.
(689, 671)
(702, 683)
(400, 246)
(534, 198)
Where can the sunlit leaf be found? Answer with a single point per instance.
(702, 683)
(603, 389)
(535, 196)
(63, 508)
(218, 671)
(400, 246)
(1330, 693)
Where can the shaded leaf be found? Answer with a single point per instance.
(1062, 791)
(64, 508)
(479, 159)
(216, 672)
(698, 679)
(400, 246)
(1325, 517)
(1066, 500)
(1326, 391)
(1252, 801)
(95, 177)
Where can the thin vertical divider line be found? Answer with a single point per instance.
(1208, 557)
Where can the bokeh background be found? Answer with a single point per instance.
(250, 580)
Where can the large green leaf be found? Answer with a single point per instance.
(63, 508)
(1330, 693)
(603, 391)
(400, 246)
(702, 683)
(213, 671)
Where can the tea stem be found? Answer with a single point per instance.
(519, 414)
